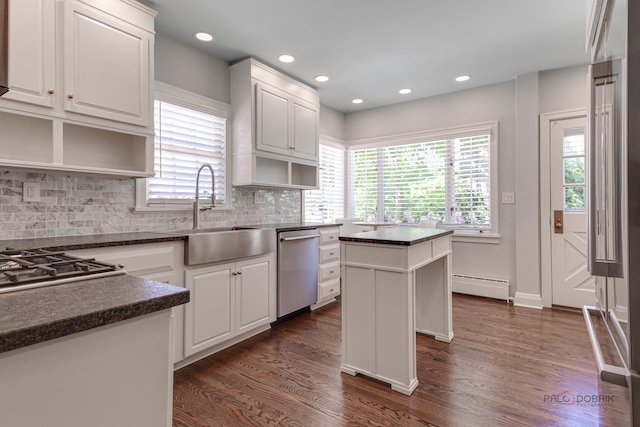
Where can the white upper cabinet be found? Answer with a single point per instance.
(272, 119)
(305, 129)
(32, 52)
(80, 80)
(106, 66)
(285, 124)
(275, 128)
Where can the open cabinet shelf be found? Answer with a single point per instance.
(55, 144)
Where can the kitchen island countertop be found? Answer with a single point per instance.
(404, 236)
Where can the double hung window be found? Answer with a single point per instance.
(189, 131)
(450, 179)
(327, 202)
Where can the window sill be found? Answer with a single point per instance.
(176, 208)
(466, 237)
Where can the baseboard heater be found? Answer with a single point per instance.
(481, 286)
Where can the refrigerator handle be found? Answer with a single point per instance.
(604, 215)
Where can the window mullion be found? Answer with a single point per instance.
(450, 185)
(380, 214)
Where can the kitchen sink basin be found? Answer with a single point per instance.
(207, 245)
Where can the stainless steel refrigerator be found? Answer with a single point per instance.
(614, 185)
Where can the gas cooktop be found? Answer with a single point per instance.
(26, 269)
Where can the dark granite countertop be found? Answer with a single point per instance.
(36, 315)
(70, 243)
(404, 236)
(293, 226)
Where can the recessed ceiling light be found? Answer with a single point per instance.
(463, 78)
(357, 101)
(321, 78)
(204, 37)
(286, 58)
(405, 91)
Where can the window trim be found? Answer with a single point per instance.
(177, 96)
(340, 145)
(491, 128)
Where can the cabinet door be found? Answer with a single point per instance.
(305, 117)
(106, 66)
(272, 119)
(31, 51)
(252, 293)
(209, 315)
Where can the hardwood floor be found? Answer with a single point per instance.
(503, 368)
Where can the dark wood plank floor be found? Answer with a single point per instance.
(502, 369)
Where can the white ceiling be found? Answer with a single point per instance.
(370, 49)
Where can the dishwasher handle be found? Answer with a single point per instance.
(288, 239)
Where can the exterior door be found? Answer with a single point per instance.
(572, 285)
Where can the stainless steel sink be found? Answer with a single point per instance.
(206, 245)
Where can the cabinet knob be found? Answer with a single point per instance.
(332, 237)
(331, 253)
(330, 271)
(330, 290)
(70, 96)
(51, 91)
(120, 265)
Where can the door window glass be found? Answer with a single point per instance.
(573, 152)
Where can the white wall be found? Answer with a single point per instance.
(563, 89)
(332, 122)
(527, 179)
(183, 66)
(483, 104)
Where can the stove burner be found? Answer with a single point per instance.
(40, 267)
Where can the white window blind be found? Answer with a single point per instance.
(327, 202)
(185, 139)
(448, 181)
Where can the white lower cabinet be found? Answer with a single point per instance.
(329, 265)
(227, 301)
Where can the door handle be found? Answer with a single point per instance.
(558, 222)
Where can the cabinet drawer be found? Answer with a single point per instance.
(328, 289)
(329, 235)
(329, 253)
(329, 271)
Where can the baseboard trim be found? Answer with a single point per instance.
(528, 300)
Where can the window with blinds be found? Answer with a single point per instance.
(448, 181)
(327, 202)
(186, 138)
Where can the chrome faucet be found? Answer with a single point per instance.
(196, 205)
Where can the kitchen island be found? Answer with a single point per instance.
(395, 282)
(94, 352)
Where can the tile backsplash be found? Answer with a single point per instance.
(77, 204)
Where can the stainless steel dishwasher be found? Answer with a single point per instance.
(297, 270)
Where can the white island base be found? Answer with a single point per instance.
(394, 284)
